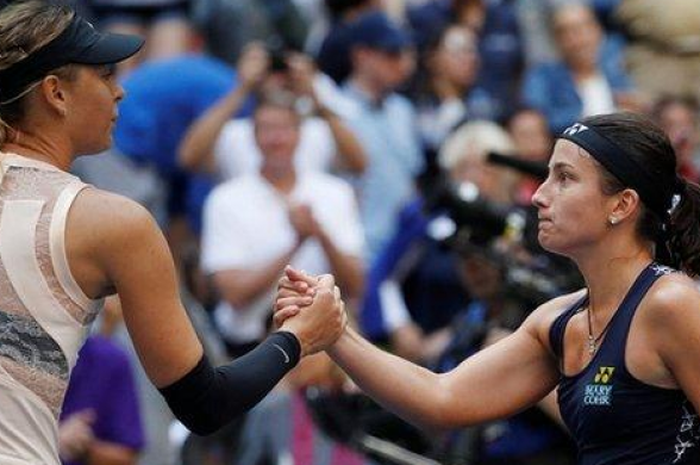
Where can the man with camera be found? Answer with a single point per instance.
(217, 144)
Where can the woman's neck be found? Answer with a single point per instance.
(41, 150)
(609, 276)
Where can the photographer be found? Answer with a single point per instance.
(414, 255)
(529, 438)
(622, 352)
(217, 144)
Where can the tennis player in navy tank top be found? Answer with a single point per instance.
(614, 417)
(623, 353)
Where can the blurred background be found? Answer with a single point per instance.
(393, 143)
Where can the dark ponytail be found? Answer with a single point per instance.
(676, 235)
(683, 231)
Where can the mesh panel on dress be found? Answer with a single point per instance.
(27, 352)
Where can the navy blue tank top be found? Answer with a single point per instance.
(614, 418)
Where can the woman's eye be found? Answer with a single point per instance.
(109, 71)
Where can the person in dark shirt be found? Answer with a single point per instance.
(624, 351)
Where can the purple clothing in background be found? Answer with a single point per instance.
(103, 381)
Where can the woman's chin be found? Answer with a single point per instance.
(549, 244)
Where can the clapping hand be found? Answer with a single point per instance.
(303, 221)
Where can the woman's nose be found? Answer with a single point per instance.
(538, 198)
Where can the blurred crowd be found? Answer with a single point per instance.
(393, 143)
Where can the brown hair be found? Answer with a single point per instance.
(26, 26)
(677, 236)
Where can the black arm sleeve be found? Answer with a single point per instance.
(207, 398)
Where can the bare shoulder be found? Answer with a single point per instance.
(106, 234)
(673, 301)
(539, 322)
(109, 215)
(101, 224)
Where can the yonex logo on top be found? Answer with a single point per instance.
(599, 393)
(604, 375)
(575, 129)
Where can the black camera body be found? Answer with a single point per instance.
(277, 51)
(481, 226)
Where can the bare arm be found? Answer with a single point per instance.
(675, 332)
(347, 269)
(303, 73)
(241, 287)
(408, 341)
(502, 379)
(196, 151)
(496, 382)
(114, 244)
(353, 156)
(107, 453)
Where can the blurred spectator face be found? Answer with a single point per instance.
(464, 157)
(456, 58)
(681, 124)
(488, 178)
(578, 35)
(531, 136)
(382, 52)
(385, 70)
(277, 135)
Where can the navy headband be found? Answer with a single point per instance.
(655, 192)
(79, 43)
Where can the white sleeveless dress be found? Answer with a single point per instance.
(44, 315)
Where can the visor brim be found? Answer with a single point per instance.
(110, 49)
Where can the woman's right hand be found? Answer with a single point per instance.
(311, 308)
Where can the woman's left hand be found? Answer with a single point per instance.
(295, 290)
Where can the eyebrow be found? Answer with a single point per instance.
(560, 165)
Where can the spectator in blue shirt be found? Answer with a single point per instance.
(384, 123)
(500, 44)
(165, 97)
(588, 80)
(446, 91)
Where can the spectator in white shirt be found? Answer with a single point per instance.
(257, 223)
(215, 143)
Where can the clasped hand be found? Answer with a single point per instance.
(311, 308)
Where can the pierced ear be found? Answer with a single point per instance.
(627, 203)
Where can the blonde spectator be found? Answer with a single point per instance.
(464, 156)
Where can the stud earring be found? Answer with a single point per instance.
(612, 220)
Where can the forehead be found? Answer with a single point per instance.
(567, 153)
(457, 37)
(572, 15)
(267, 111)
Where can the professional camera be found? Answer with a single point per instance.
(467, 222)
(360, 423)
(277, 51)
(488, 236)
